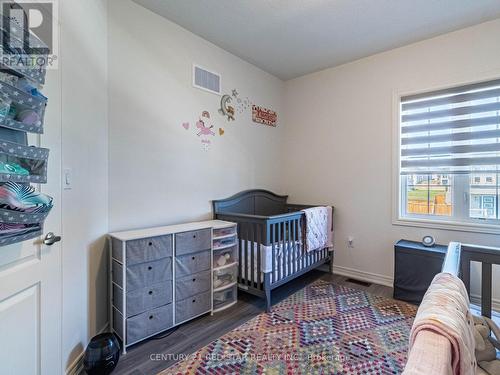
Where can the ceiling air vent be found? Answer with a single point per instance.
(206, 80)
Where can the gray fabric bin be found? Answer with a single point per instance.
(118, 323)
(192, 263)
(148, 249)
(19, 217)
(143, 250)
(149, 323)
(35, 72)
(192, 306)
(10, 123)
(29, 234)
(144, 299)
(192, 242)
(144, 274)
(192, 285)
(116, 249)
(33, 159)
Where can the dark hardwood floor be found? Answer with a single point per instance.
(155, 355)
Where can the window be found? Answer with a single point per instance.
(450, 155)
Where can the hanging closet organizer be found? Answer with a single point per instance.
(22, 110)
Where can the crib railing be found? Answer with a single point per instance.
(251, 234)
(487, 256)
(458, 260)
(283, 235)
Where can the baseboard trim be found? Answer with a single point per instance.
(76, 368)
(363, 276)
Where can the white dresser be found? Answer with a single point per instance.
(164, 276)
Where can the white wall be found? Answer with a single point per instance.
(326, 149)
(158, 172)
(341, 119)
(83, 50)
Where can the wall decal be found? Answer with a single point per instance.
(221, 131)
(204, 130)
(242, 104)
(264, 116)
(225, 108)
(234, 93)
(206, 144)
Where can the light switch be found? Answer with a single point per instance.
(67, 179)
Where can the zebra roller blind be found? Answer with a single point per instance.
(451, 131)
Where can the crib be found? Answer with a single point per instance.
(271, 249)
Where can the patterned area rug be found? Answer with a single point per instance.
(322, 329)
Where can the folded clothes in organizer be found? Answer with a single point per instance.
(14, 230)
(13, 168)
(23, 198)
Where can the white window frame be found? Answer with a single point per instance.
(459, 191)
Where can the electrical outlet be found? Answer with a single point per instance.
(350, 242)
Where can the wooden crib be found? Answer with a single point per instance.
(271, 244)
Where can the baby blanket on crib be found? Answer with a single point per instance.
(445, 311)
(318, 228)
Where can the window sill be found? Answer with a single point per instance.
(448, 225)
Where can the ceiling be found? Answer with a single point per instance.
(290, 38)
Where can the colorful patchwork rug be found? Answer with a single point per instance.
(322, 329)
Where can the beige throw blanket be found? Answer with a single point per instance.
(318, 228)
(445, 311)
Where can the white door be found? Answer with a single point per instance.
(30, 272)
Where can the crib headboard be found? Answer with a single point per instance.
(252, 202)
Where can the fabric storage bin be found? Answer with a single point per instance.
(19, 217)
(21, 163)
(225, 276)
(14, 136)
(144, 299)
(224, 242)
(36, 74)
(143, 250)
(31, 231)
(149, 322)
(24, 102)
(192, 263)
(225, 256)
(225, 297)
(17, 37)
(142, 275)
(8, 122)
(223, 232)
(117, 323)
(192, 242)
(192, 306)
(23, 212)
(191, 285)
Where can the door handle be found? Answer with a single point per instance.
(51, 239)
